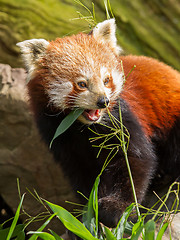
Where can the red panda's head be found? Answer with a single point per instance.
(80, 71)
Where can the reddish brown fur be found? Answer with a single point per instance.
(59, 50)
(150, 109)
(153, 96)
(150, 101)
(152, 91)
(57, 63)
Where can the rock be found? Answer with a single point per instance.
(175, 227)
(173, 230)
(22, 153)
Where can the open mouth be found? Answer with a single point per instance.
(92, 114)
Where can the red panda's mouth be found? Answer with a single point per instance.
(92, 114)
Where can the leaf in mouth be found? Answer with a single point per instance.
(66, 123)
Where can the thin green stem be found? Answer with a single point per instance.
(127, 163)
(163, 202)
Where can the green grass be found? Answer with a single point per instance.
(90, 228)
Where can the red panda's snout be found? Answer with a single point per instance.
(90, 116)
(93, 115)
(102, 102)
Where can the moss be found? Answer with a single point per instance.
(28, 19)
(149, 27)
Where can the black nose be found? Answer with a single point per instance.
(102, 102)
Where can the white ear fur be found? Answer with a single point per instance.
(32, 50)
(106, 32)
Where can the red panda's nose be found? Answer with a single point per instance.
(102, 102)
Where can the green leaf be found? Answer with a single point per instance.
(34, 237)
(136, 235)
(21, 236)
(128, 228)
(150, 230)
(13, 225)
(43, 235)
(137, 229)
(161, 231)
(57, 237)
(136, 226)
(109, 234)
(90, 218)
(70, 222)
(119, 230)
(66, 123)
(17, 230)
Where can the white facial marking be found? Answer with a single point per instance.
(104, 73)
(86, 100)
(87, 73)
(108, 92)
(58, 93)
(118, 80)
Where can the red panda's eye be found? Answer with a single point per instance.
(82, 84)
(106, 81)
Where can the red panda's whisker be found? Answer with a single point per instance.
(76, 72)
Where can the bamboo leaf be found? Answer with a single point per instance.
(119, 230)
(150, 230)
(70, 222)
(21, 236)
(13, 225)
(161, 231)
(90, 218)
(66, 123)
(17, 230)
(137, 229)
(109, 234)
(34, 237)
(43, 235)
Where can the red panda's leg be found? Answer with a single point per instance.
(114, 198)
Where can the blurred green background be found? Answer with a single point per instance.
(144, 27)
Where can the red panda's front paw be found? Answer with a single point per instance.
(109, 211)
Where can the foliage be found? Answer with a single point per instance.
(90, 228)
(66, 123)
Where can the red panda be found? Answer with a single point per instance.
(87, 71)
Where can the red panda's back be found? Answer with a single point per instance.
(152, 90)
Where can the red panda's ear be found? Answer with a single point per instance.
(106, 32)
(32, 50)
